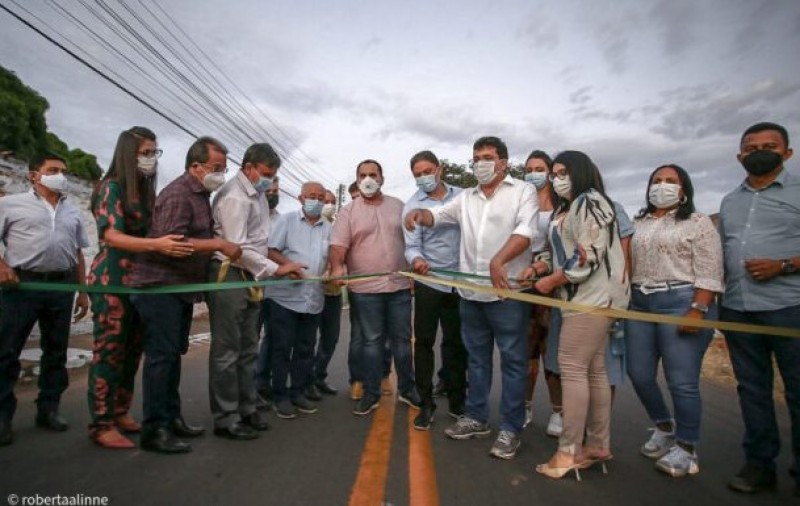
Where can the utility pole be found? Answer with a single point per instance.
(339, 196)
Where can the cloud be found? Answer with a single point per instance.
(540, 31)
(676, 22)
(703, 111)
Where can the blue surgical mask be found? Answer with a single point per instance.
(537, 179)
(427, 183)
(312, 207)
(262, 184)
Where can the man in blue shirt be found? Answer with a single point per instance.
(760, 228)
(435, 248)
(294, 309)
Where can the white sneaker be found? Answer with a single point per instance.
(556, 425)
(528, 414)
(678, 462)
(659, 444)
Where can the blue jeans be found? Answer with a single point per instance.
(751, 356)
(382, 317)
(293, 335)
(506, 323)
(681, 356)
(355, 349)
(167, 320)
(329, 325)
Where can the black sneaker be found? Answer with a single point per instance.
(312, 394)
(303, 405)
(424, 419)
(366, 405)
(440, 390)
(286, 410)
(456, 410)
(752, 479)
(410, 398)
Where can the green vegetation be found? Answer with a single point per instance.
(23, 128)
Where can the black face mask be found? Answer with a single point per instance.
(762, 162)
(272, 200)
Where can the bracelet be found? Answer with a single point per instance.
(700, 307)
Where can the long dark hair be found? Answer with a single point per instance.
(585, 176)
(135, 187)
(686, 206)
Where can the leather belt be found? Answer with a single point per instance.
(25, 275)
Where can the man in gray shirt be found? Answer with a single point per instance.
(760, 228)
(43, 236)
(241, 215)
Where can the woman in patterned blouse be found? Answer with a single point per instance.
(121, 204)
(588, 269)
(677, 270)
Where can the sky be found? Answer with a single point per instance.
(633, 83)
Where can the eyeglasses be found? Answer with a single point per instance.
(216, 168)
(559, 175)
(151, 152)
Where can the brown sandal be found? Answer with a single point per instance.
(127, 423)
(112, 439)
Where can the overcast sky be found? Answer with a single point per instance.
(633, 83)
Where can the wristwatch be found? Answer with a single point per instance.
(788, 267)
(700, 307)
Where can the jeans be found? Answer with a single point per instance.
(329, 326)
(681, 356)
(505, 323)
(167, 320)
(293, 336)
(20, 312)
(263, 371)
(385, 317)
(433, 308)
(355, 349)
(751, 356)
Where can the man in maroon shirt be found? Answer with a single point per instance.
(182, 208)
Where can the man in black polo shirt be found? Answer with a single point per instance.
(43, 236)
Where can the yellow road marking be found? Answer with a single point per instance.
(370, 485)
(423, 490)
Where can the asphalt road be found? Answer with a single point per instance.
(324, 458)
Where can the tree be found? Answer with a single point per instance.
(457, 175)
(23, 128)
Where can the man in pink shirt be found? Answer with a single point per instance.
(368, 238)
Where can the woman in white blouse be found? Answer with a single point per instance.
(588, 269)
(677, 270)
(538, 168)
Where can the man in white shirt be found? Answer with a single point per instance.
(498, 223)
(241, 216)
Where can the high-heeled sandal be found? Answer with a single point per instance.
(591, 460)
(557, 473)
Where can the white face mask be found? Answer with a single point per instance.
(213, 180)
(664, 195)
(563, 187)
(368, 187)
(147, 165)
(54, 182)
(328, 210)
(484, 171)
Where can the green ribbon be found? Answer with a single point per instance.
(187, 288)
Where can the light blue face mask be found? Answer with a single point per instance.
(312, 207)
(427, 183)
(262, 184)
(537, 179)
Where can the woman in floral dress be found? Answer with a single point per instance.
(121, 204)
